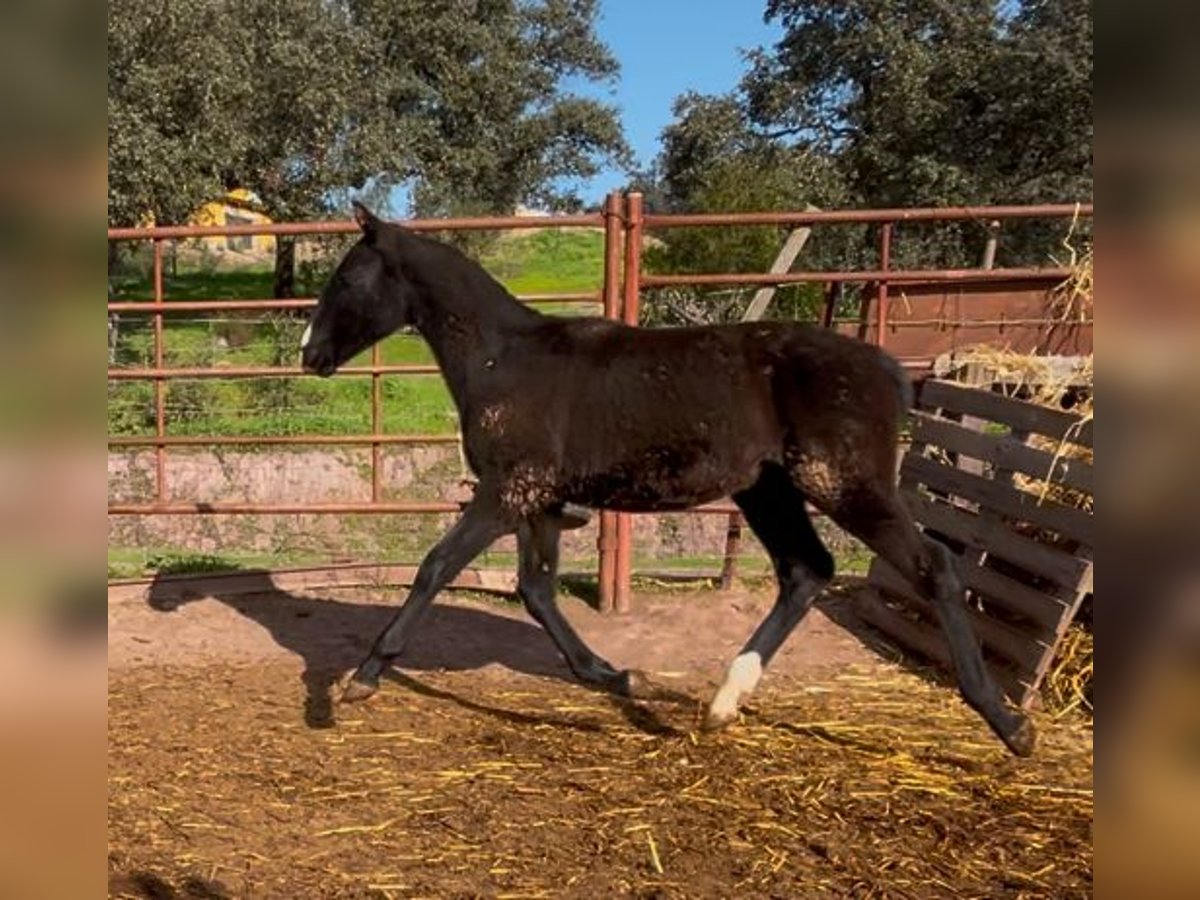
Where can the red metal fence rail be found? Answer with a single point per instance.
(624, 224)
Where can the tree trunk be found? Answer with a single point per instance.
(285, 267)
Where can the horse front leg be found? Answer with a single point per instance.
(481, 524)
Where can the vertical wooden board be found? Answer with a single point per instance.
(1074, 602)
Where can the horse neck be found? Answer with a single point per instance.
(467, 318)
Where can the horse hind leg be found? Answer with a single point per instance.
(885, 526)
(537, 544)
(775, 510)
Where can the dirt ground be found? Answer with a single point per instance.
(482, 770)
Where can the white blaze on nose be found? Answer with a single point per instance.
(743, 677)
(306, 337)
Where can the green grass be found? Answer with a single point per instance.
(237, 284)
(538, 262)
(548, 261)
(137, 562)
(248, 407)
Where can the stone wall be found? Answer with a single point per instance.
(431, 473)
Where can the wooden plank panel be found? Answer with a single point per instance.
(1046, 611)
(1017, 414)
(1072, 523)
(1006, 452)
(1018, 652)
(929, 642)
(920, 636)
(1023, 649)
(993, 537)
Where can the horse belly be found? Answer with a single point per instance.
(669, 477)
(669, 443)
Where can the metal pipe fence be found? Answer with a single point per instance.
(624, 224)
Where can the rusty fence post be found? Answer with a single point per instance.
(885, 264)
(733, 546)
(629, 315)
(376, 423)
(606, 543)
(160, 384)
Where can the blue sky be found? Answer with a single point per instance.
(667, 47)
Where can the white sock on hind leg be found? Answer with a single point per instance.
(741, 680)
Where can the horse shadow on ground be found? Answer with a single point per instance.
(154, 887)
(331, 637)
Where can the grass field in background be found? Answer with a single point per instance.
(539, 262)
(548, 261)
(138, 562)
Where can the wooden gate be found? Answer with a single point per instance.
(976, 479)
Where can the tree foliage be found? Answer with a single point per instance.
(882, 103)
(714, 160)
(477, 87)
(169, 133)
(935, 102)
(302, 99)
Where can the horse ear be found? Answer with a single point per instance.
(366, 219)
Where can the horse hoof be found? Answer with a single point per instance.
(717, 721)
(1022, 739)
(636, 685)
(355, 691)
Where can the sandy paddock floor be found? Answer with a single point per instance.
(482, 770)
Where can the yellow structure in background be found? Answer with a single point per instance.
(238, 207)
